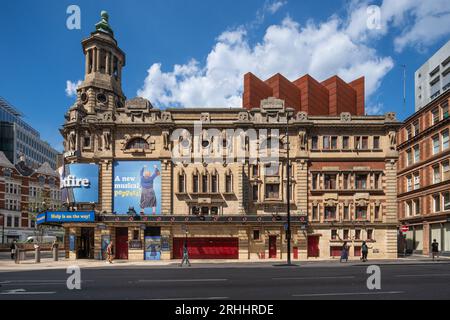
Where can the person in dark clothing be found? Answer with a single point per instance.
(344, 252)
(185, 256)
(148, 196)
(435, 249)
(13, 248)
(364, 251)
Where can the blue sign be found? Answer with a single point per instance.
(79, 183)
(40, 218)
(70, 216)
(137, 185)
(152, 248)
(72, 242)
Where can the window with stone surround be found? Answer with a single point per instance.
(436, 144)
(330, 181)
(416, 153)
(137, 143)
(315, 143)
(436, 174)
(272, 191)
(435, 116)
(445, 140)
(376, 142)
(436, 203)
(361, 181)
(195, 183)
(361, 213)
(255, 192)
(228, 183)
(315, 212)
(345, 142)
(330, 213)
(446, 198)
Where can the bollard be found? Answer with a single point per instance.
(37, 255)
(55, 254)
(17, 256)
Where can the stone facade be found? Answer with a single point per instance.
(342, 172)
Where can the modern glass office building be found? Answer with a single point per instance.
(19, 138)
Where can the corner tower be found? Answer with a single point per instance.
(104, 60)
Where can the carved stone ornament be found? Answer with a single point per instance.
(243, 116)
(393, 139)
(302, 116)
(166, 116)
(204, 117)
(390, 116)
(272, 103)
(346, 117)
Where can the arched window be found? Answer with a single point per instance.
(214, 182)
(205, 182)
(181, 182)
(195, 183)
(138, 143)
(228, 182)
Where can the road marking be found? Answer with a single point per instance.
(24, 292)
(346, 294)
(314, 278)
(184, 280)
(424, 275)
(208, 298)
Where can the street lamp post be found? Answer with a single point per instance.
(3, 228)
(288, 192)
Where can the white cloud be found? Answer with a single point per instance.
(418, 23)
(273, 7)
(322, 50)
(71, 87)
(374, 109)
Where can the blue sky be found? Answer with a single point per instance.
(193, 53)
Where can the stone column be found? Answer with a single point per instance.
(108, 63)
(239, 188)
(106, 186)
(94, 59)
(97, 65)
(166, 188)
(390, 217)
(88, 53)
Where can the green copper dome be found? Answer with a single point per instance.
(103, 25)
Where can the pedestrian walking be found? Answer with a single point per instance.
(185, 256)
(109, 253)
(344, 252)
(364, 251)
(13, 248)
(435, 249)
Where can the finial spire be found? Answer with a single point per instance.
(103, 25)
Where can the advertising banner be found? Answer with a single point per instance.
(152, 248)
(70, 216)
(137, 185)
(79, 183)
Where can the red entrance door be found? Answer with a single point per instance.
(207, 248)
(121, 243)
(313, 247)
(272, 247)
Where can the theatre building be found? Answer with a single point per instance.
(149, 180)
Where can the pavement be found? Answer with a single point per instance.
(232, 281)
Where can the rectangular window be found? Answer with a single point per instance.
(361, 213)
(409, 157)
(416, 127)
(204, 183)
(416, 207)
(361, 181)
(346, 181)
(16, 222)
(346, 234)
(334, 234)
(445, 108)
(315, 143)
(436, 146)
(377, 178)
(315, 213)
(416, 154)
(314, 181)
(357, 234)
(272, 191)
(255, 234)
(409, 132)
(436, 174)
(330, 213)
(345, 143)
(365, 143)
(181, 188)
(346, 213)
(436, 203)
(326, 143)
(446, 170)
(446, 196)
(228, 183)
(435, 115)
(272, 169)
(408, 209)
(9, 221)
(255, 192)
(416, 181)
(377, 213)
(334, 143)
(330, 181)
(357, 143)
(369, 234)
(445, 141)
(255, 170)
(214, 183)
(376, 142)
(195, 183)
